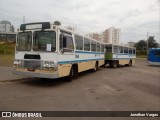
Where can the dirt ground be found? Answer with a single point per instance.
(135, 88)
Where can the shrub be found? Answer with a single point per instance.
(7, 48)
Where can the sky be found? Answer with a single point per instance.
(134, 17)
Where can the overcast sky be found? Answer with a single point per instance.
(134, 17)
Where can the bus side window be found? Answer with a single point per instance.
(125, 50)
(66, 42)
(130, 50)
(157, 52)
(121, 49)
(102, 48)
(115, 49)
(134, 52)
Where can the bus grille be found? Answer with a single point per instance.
(36, 64)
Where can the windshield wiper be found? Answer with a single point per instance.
(38, 34)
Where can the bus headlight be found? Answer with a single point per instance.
(17, 63)
(48, 65)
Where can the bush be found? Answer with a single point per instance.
(7, 48)
(141, 52)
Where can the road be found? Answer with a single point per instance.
(135, 88)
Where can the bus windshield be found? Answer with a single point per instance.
(24, 41)
(44, 41)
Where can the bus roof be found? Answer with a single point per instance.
(154, 48)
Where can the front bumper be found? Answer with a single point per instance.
(35, 74)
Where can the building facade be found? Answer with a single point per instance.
(5, 26)
(112, 35)
(95, 36)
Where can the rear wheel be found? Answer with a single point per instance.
(114, 64)
(95, 67)
(129, 64)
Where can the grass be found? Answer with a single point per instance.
(7, 48)
(141, 57)
(6, 60)
(6, 54)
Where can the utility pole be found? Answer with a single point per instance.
(147, 42)
(23, 19)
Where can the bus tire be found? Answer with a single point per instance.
(70, 76)
(95, 67)
(73, 73)
(114, 64)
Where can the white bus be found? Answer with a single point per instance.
(44, 50)
(116, 55)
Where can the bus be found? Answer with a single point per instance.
(154, 56)
(116, 55)
(44, 50)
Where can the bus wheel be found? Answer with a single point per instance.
(129, 64)
(95, 67)
(70, 76)
(114, 64)
(73, 73)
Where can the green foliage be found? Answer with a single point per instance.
(141, 52)
(57, 23)
(7, 48)
(152, 43)
(141, 45)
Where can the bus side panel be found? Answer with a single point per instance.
(83, 66)
(101, 62)
(64, 70)
(123, 62)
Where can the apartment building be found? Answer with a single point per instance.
(95, 36)
(112, 35)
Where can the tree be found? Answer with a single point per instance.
(152, 43)
(141, 45)
(57, 23)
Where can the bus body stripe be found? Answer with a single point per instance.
(77, 61)
(88, 52)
